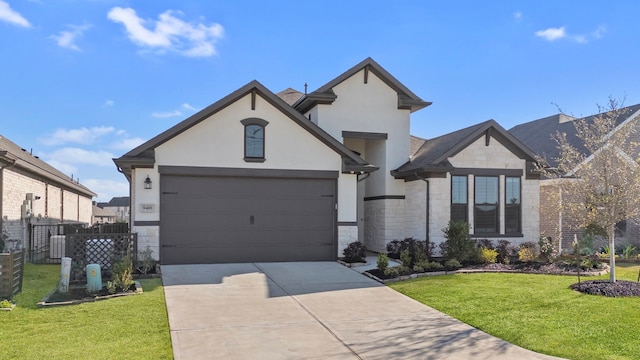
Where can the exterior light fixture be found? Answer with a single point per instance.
(147, 183)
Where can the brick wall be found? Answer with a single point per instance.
(148, 236)
(346, 235)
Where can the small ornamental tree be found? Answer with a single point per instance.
(600, 180)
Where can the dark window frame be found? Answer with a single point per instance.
(476, 213)
(509, 206)
(250, 123)
(455, 207)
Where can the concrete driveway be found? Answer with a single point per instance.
(310, 310)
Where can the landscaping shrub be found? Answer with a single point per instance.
(505, 250)
(488, 256)
(405, 258)
(586, 244)
(548, 251)
(397, 271)
(418, 249)
(122, 274)
(485, 243)
(459, 244)
(383, 262)
(452, 264)
(628, 252)
(355, 252)
(527, 251)
(434, 265)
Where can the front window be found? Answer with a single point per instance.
(486, 211)
(459, 209)
(254, 139)
(513, 207)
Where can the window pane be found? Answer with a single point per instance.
(459, 198)
(513, 208)
(513, 190)
(485, 211)
(254, 141)
(459, 190)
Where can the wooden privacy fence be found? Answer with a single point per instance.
(11, 270)
(102, 249)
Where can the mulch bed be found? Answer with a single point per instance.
(620, 288)
(79, 295)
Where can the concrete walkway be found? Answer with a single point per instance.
(310, 310)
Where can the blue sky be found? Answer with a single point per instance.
(82, 82)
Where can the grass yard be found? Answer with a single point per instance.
(120, 328)
(538, 312)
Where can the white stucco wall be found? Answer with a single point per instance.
(218, 141)
(370, 107)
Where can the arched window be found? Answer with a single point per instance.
(254, 138)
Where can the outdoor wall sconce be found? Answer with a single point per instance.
(147, 183)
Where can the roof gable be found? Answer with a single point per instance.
(143, 155)
(325, 95)
(537, 134)
(432, 156)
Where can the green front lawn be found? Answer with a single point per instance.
(538, 312)
(120, 328)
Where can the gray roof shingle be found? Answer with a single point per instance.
(537, 134)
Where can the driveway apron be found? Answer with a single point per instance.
(310, 310)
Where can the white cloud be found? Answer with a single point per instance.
(517, 16)
(599, 32)
(127, 144)
(65, 168)
(109, 103)
(188, 107)
(7, 14)
(551, 34)
(67, 38)
(169, 33)
(107, 189)
(70, 156)
(82, 135)
(167, 114)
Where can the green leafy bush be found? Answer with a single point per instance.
(122, 274)
(452, 264)
(383, 262)
(145, 260)
(459, 244)
(397, 271)
(418, 249)
(434, 265)
(355, 252)
(488, 256)
(406, 259)
(5, 304)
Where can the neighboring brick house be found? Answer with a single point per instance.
(34, 192)
(538, 135)
(116, 210)
(259, 176)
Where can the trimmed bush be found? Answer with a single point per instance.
(355, 252)
(488, 256)
(434, 265)
(459, 244)
(527, 252)
(406, 259)
(452, 264)
(383, 262)
(548, 252)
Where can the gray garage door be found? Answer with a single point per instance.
(246, 219)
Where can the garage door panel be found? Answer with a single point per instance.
(220, 219)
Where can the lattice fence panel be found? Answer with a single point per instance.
(102, 249)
